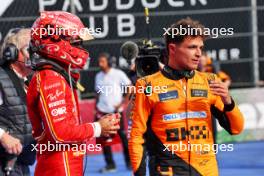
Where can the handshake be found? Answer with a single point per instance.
(109, 124)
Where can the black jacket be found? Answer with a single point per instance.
(13, 111)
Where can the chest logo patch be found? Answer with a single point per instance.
(168, 95)
(199, 93)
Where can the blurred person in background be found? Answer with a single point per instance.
(206, 64)
(110, 85)
(52, 99)
(181, 115)
(15, 128)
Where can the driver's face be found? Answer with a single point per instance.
(186, 55)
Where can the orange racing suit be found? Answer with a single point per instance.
(173, 111)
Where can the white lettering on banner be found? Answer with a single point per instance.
(150, 5)
(100, 7)
(59, 111)
(105, 28)
(4, 6)
(44, 3)
(234, 53)
(53, 97)
(222, 54)
(212, 54)
(52, 86)
(120, 5)
(126, 25)
(76, 3)
(56, 103)
(123, 6)
(176, 3)
(203, 2)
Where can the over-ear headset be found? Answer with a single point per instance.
(10, 53)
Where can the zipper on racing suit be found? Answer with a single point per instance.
(184, 83)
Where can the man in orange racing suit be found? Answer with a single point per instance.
(52, 98)
(172, 111)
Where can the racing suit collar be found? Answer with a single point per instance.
(173, 74)
(41, 63)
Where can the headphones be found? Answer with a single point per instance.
(10, 51)
(176, 75)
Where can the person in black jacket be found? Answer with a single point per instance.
(15, 128)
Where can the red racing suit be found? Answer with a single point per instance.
(53, 111)
(172, 117)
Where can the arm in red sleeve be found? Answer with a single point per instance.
(59, 111)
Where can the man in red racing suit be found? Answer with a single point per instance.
(53, 102)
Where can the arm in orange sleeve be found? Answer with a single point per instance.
(140, 114)
(229, 116)
(59, 111)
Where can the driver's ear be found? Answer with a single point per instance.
(172, 47)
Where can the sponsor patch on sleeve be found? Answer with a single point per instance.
(168, 95)
(199, 93)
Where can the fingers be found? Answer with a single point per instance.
(220, 94)
(11, 144)
(220, 89)
(114, 116)
(113, 127)
(19, 148)
(217, 87)
(110, 124)
(112, 130)
(15, 148)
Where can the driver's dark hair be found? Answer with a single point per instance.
(185, 23)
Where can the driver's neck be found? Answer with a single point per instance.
(175, 67)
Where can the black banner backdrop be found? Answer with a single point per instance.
(123, 20)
